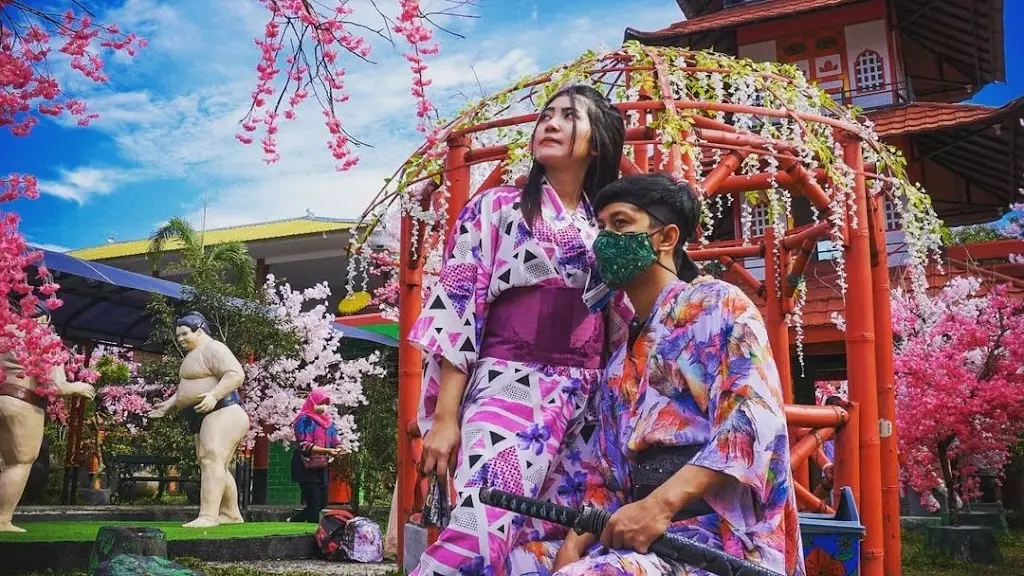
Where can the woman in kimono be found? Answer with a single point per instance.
(512, 351)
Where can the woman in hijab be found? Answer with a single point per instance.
(317, 441)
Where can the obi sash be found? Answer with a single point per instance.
(544, 325)
(655, 465)
(23, 394)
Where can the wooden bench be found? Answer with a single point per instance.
(127, 471)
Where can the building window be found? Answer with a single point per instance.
(869, 72)
(758, 220)
(892, 217)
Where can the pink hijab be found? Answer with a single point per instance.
(317, 396)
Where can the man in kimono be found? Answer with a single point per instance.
(692, 434)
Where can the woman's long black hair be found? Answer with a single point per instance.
(607, 136)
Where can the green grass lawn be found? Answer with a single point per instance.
(86, 531)
(918, 562)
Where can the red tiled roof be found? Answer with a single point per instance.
(928, 117)
(732, 17)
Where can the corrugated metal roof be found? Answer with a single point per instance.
(247, 233)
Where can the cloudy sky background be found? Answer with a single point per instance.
(164, 143)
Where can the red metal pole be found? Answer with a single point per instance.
(815, 417)
(702, 254)
(726, 168)
(778, 332)
(860, 365)
(886, 396)
(744, 275)
(847, 463)
(457, 175)
(409, 374)
(811, 503)
(807, 445)
(410, 281)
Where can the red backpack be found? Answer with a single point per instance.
(328, 533)
(342, 536)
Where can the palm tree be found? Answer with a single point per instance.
(202, 261)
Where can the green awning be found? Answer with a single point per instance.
(387, 329)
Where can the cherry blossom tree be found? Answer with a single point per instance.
(275, 389)
(38, 50)
(959, 384)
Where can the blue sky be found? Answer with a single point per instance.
(164, 143)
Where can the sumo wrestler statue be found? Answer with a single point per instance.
(208, 399)
(22, 415)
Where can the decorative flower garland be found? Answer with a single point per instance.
(793, 133)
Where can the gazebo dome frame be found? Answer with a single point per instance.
(705, 117)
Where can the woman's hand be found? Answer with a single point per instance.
(572, 549)
(441, 448)
(636, 525)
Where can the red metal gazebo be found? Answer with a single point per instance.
(779, 137)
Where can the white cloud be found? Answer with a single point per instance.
(178, 112)
(51, 247)
(84, 182)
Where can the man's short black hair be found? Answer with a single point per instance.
(668, 201)
(660, 195)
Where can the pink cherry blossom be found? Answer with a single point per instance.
(28, 91)
(959, 384)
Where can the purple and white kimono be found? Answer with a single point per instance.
(508, 310)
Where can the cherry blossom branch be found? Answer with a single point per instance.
(29, 37)
(330, 30)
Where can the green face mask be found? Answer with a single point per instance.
(621, 257)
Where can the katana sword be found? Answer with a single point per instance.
(589, 519)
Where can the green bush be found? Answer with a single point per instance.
(377, 424)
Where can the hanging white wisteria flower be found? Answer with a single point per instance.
(703, 107)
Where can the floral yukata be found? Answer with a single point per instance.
(701, 375)
(522, 422)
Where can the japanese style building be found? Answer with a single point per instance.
(909, 65)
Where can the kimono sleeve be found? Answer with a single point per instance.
(744, 394)
(450, 326)
(601, 458)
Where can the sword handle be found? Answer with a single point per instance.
(593, 520)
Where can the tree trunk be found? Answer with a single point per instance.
(947, 477)
(1013, 487)
(114, 540)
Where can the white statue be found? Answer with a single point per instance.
(22, 415)
(208, 399)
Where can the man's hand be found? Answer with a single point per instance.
(206, 404)
(440, 448)
(82, 389)
(636, 525)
